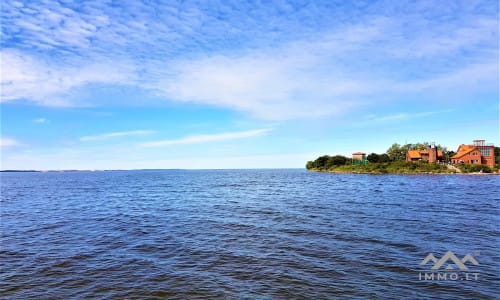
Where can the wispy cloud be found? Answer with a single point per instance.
(24, 76)
(279, 85)
(302, 64)
(111, 135)
(6, 142)
(40, 120)
(404, 116)
(206, 138)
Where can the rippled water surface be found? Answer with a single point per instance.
(244, 234)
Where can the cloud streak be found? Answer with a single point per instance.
(6, 142)
(207, 138)
(24, 76)
(404, 116)
(111, 135)
(40, 120)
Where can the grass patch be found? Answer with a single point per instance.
(398, 167)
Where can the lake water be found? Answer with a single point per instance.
(246, 234)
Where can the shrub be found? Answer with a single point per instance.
(468, 168)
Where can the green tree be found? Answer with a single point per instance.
(397, 152)
(382, 158)
(337, 160)
(321, 161)
(378, 158)
(373, 157)
(448, 154)
(419, 146)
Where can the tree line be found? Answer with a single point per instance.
(394, 153)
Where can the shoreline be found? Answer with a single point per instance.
(415, 173)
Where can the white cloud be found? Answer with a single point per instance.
(424, 39)
(296, 80)
(40, 120)
(54, 24)
(403, 116)
(6, 142)
(195, 139)
(24, 76)
(110, 135)
(333, 73)
(470, 77)
(306, 66)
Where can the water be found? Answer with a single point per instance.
(243, 234)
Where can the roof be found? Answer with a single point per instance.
(414, 154)
(358, 153)
(463, 150)
(418, 153)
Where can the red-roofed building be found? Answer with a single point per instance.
(431, 155)
(359, 158)
(478, 153)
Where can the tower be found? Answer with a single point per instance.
(432, 153)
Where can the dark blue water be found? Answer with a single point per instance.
(244, 234)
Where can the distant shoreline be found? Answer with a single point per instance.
(310, 170)
(19, 171)
(122, 170)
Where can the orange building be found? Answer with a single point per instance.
(431, 155)
(478, 153)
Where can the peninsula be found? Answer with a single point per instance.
(419, 158)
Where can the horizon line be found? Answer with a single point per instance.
(142, 169)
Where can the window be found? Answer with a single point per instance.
(486, 151)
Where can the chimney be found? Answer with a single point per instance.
(432, 154)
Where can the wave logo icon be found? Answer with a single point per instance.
(449, 261)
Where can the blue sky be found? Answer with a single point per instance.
(241, 84)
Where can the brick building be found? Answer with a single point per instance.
(359, 158)
(431, 155)
(477, 153)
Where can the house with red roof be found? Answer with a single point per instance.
(431, 155)
(477, 153)
(359, 158)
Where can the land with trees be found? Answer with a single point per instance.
(393, 161)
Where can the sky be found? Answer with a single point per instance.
(129, 84)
